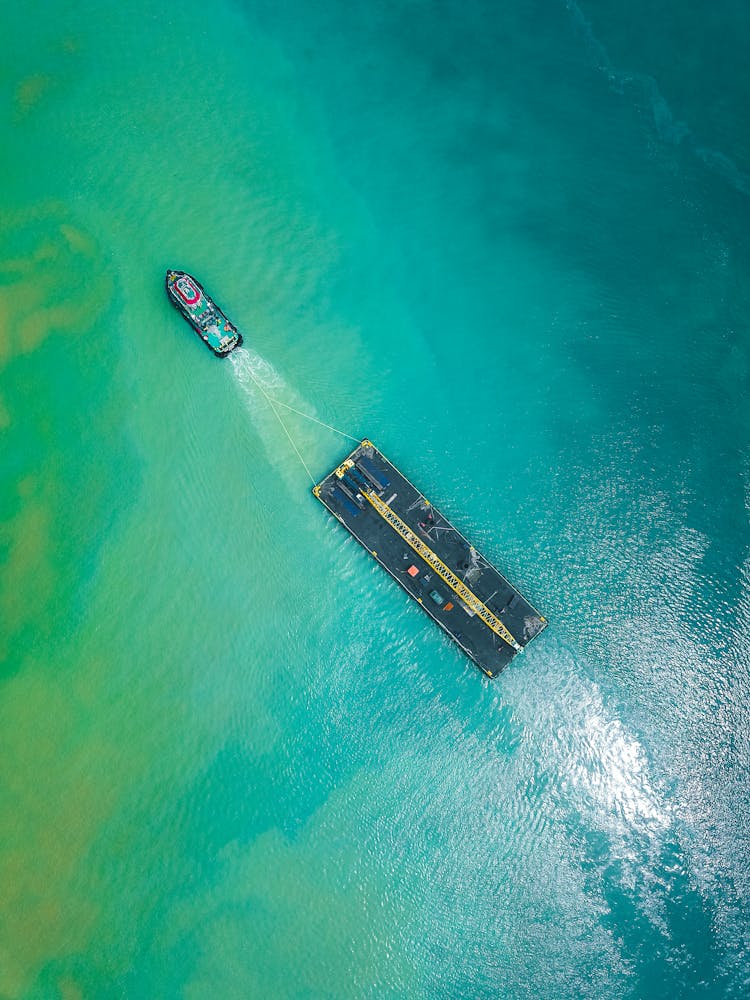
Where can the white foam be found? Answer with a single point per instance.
(258, 380)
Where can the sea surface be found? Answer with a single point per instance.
(509, 243)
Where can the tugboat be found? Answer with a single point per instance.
(189, 297)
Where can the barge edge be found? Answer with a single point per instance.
(448, 572)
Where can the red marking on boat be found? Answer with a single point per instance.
(187, 291)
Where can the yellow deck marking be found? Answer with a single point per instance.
(448, 576)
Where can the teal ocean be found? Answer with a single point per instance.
(509, 243)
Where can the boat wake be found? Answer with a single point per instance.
(253, 370)
(272, 403)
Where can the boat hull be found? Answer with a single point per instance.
(211, 324)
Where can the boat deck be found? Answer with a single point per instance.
(471, 600)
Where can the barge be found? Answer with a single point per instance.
(485, 615)
(189, 297)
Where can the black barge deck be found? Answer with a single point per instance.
(468, 598)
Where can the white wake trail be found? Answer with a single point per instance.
(273, 403)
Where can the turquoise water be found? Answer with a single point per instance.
(509, 243)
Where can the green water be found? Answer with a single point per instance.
(508, 243)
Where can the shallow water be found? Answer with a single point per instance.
(511, 247)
